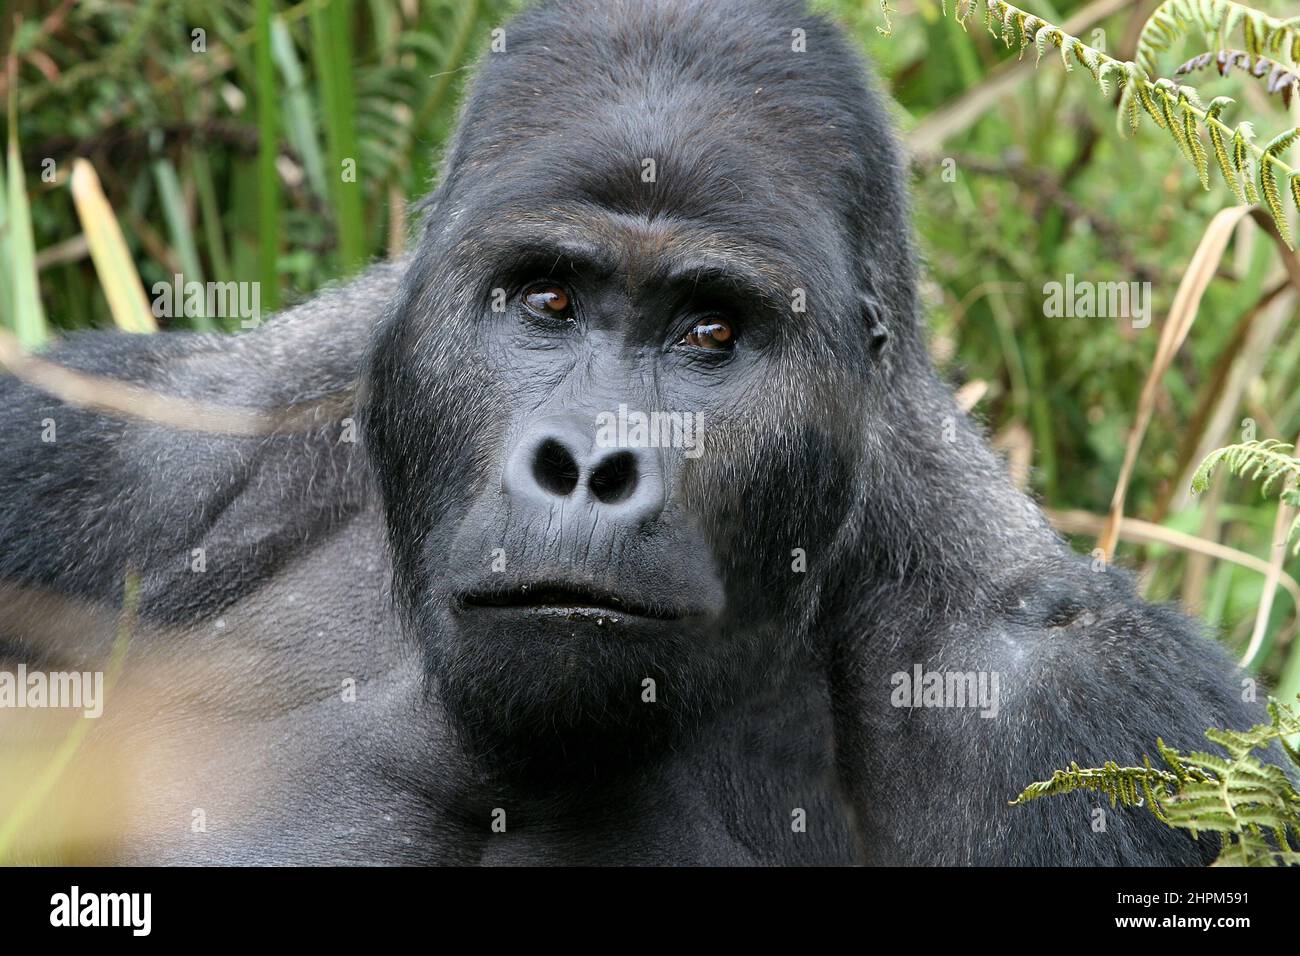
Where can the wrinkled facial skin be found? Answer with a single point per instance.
(548, 576)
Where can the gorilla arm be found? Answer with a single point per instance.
(226, 665)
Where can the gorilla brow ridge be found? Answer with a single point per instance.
(684, 254)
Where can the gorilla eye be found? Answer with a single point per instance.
(549, 300)
(713, 333)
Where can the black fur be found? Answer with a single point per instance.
(826, 431)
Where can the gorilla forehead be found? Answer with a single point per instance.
(708, 207)
(746, 134)
(641, 63)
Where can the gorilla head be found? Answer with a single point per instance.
(689, 217)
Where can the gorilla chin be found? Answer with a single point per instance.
(559, 683)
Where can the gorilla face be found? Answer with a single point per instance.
(615, 413)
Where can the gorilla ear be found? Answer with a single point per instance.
(873, 314)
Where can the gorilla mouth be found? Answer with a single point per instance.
(570, 600)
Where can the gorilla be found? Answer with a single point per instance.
(626, 521)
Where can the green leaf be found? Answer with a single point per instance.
(25, 313)
(1192, 135)
(1268, 180)
(1221, 155)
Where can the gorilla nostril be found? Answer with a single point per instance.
(555, 468)
(615, 478)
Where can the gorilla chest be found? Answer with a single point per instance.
(690, 825)
(753, 791)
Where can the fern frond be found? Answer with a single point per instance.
(1217, 20)
(1139, 81)
(1103, 73)
(963, 11)
(1046, 34)
(1268, 180)
(1241, 151)
(1221, 155)
(992, 16)
(1165, 103)
(1028, 25)
(1251, 805)
(1118, 784)
(1178, 109)
(1278, 79)
(1088, 58)
(1266, 460)
(1010, 23)
(1130, 110)
(1192, 134)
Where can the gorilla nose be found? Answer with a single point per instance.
(558, 462)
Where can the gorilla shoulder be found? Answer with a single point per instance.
(1062, 662)
(253, 452)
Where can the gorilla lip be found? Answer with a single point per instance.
(566, 598)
